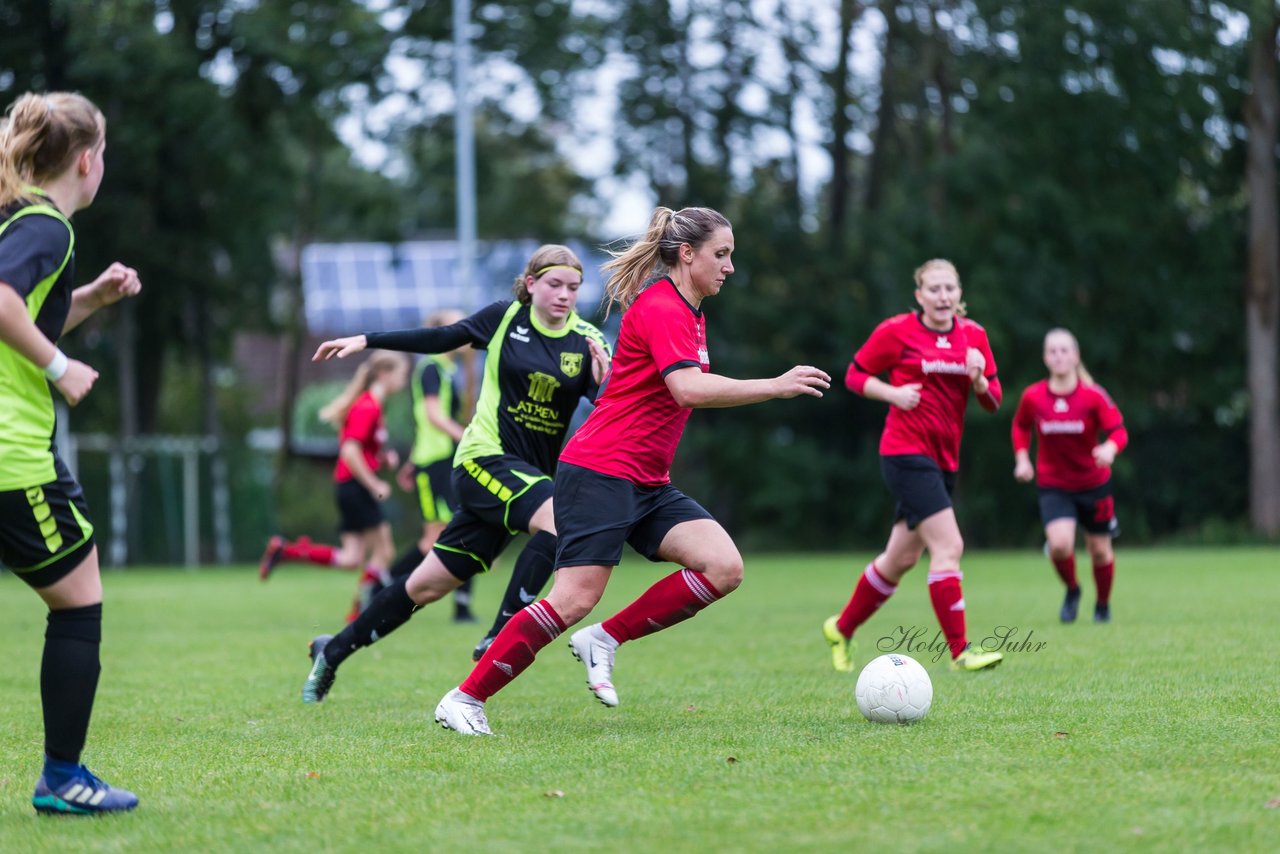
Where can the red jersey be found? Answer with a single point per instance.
(636, 425)
(913, 353)
(364, 425)
(1068, 426)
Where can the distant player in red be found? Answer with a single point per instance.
(934, 357)
(1079, 432)
(613, 485)
(364, 531)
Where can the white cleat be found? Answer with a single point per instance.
(597, 655)
(462, 713)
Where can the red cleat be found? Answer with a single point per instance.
(274, 552)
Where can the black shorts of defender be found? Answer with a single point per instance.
(434, 483)
(1094, 509)
(497, 497)
(45, 530)
(358, 510)
(919, 486)
(597, 514)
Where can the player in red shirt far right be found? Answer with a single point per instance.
(1069, 412)
(613, 485)
(934, 357)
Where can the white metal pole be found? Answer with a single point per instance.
(464, 143)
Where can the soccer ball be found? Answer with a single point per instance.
(894, 689)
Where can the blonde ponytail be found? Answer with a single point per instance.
(657, 251)
(370, 370)
(40, 138)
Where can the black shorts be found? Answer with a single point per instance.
(1094, 509)
(919, 486)
(497, 497)
(358, 510)
(596, 514)
(435, 491)
(45, 530)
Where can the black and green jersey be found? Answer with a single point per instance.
(434, 376)
(533, 378)
(37, 249)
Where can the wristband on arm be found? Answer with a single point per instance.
(57, 368)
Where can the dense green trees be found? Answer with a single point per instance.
(1083, 164)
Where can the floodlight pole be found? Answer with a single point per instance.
(464, 143)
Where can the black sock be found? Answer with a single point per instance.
(533, 568)
(462, 598)
(69, 678)
(407, 562)
(388, 611)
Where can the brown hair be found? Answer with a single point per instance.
(658, 250)
(41, 136)
(380, 362)
(546, 255)
(941, 263)
(1082, 373)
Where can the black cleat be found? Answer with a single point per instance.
(482, 647)
(1070, 606)
(1102, 613)
(321, 677)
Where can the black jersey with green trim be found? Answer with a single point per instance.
(533, 378)
(37, 259)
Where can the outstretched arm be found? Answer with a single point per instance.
(115, 283)
(695, 390)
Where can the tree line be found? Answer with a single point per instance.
(1104, 165)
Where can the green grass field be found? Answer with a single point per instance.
(1157, 732)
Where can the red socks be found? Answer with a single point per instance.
(948, 605)
(1103, 575)
(513, 650)
(869, 594)
(303, 549)
(671, 600)
(1066, 568)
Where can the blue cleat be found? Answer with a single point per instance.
(80, 793)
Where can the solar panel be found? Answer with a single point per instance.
(352, 287)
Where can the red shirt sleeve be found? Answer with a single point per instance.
(669, 336)
(995, 393)
(1023, 423)
(1110, 420)
(880, 353)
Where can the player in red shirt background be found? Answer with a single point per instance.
(364, 531)
(613, 484)
(934, 356)
(1069, 413)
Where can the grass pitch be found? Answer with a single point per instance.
(1156, 732)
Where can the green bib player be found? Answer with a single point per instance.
(51, 164)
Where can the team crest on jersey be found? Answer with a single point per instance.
(571, 364)
(943, 343)
(1060, 405)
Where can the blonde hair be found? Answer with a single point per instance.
(658, 250)
(443, 317)
(546, 255)
(940, 264)
(372, 369)
(40, 137)
(1082, 373)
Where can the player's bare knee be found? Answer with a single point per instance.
(1060, 550)
(1101, 553)
(723, 570)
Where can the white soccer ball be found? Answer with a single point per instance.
(894, 689)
